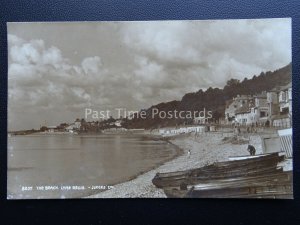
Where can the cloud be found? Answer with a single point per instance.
(42, 80)
(45, 87)
(210, 52)
(151, 73)
(52, 56)
(91, 64)
(162, 40)
(140, 64)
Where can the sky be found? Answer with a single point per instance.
(56, 70)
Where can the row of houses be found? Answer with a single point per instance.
(182, 130)
(272, 108)
(83, 126)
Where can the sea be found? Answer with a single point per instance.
(76, 166)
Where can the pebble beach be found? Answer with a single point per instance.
(204, 149)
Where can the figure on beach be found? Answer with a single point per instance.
(251, 149)
(189, 153)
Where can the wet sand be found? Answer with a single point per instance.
(205, 149)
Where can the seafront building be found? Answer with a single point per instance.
(182, 130)
(52, 129)
(280, 105)
(272, 108)
(255, 112)
(240, 101)
(200, 120)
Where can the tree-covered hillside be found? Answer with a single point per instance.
(213, 99)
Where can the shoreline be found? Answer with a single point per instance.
(205, 149)
(178, 152)
(174, 152)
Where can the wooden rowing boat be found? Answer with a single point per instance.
(264, 187)
(266, 164)
(257, 177)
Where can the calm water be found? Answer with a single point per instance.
(74, 160)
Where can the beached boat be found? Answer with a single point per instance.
(255, 177)
(240, 189)
(220, 170)
(284, 190)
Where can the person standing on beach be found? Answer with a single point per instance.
(189, 153)
(251, 149)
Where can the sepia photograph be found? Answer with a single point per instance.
(150, 109)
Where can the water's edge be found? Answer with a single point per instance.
(178, 152)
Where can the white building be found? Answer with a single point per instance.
(234, 104)
(182, 130)
(261, 109)
(77, 124)
(71, 127)
(244, 116)
(255, 112)
(51, 129)
(200, 120)
(118, 123)
(280, 105)
(285, 99)
(74, 126)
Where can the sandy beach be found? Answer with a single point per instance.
(205, 149)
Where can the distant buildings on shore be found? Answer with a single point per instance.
(182, 130)
(80, 125)
(272, 108)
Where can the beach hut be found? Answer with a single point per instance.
(286, 141)
(280, 142)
